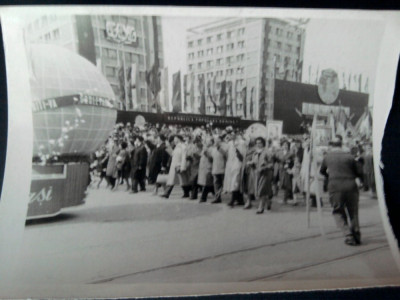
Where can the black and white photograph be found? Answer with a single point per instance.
(172, 149)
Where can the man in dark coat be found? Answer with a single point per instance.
(343, 190)
(138, 165)
(159, 159)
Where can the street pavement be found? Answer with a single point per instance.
(116, 237)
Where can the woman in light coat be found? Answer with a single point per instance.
(263, 165)
(233, 181)
(178, 163)
(205, 178)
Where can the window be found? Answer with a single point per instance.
(220, 49)
(141, 60)
(190, 44)
(210, 74)
(191, 55)
(289, 35)
(241, 44)
(229, 34)
(287, 60)
(229, 72)
(278, 58)
(209, 63)
(190, 67)
(240, 57)
(298, 50)
(220, 73)
(299, 37)
(110, 71)
(199, 42)
(240, 31)
(279, 45)
(56, 34)
(112, 53)
(219, 61)
(279, 32)
(240, 70)
(210, 51)
(289, 48)
(219, 37)
(229, 59)
(209, 39)
(47, 36)
(200, 65)
(200, 53)
(230, 46)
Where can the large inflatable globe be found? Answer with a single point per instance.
(72, 102)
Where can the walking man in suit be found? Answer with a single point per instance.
(343, 190)
(138, 164)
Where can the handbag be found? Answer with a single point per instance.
(162, 178)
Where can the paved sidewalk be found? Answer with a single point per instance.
(123, 238)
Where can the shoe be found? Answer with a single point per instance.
(240, 203)
(269, 206)
(231, 204)
(247, 206)
(193, 198)
(143, 190)
(259, 212)
(185, 196)
(351, 241)
(133, 192)
(164, 196)
(216, 201)
(202, 200)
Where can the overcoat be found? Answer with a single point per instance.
(233, 177)
(263, 166)
(178, 161)
(112, 170)
(205, 178)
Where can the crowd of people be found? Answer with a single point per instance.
(206, 160)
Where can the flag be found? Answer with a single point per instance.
(164, 89)
(176, 92)
(359, 82)
(244, 101)
(344, 81)
(202, 89)
(332, 123)
(366, 85)
(317, 74)
(229, 97)
(234, 99)
(121, 81)
(341, 123)
(286, 70)
(222, 99)
(251, 102)
(299, 72)
(186, 92)
(154, 84)
(211, 94)
(349, 86)
(191, 98)
(132, 86)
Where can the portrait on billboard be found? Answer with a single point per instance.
(274, 129)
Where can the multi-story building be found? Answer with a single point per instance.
(248, 54)
(110, 42)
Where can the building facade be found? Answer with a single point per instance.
(242, 56)
(122, 47)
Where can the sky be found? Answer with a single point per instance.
(349, 46)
